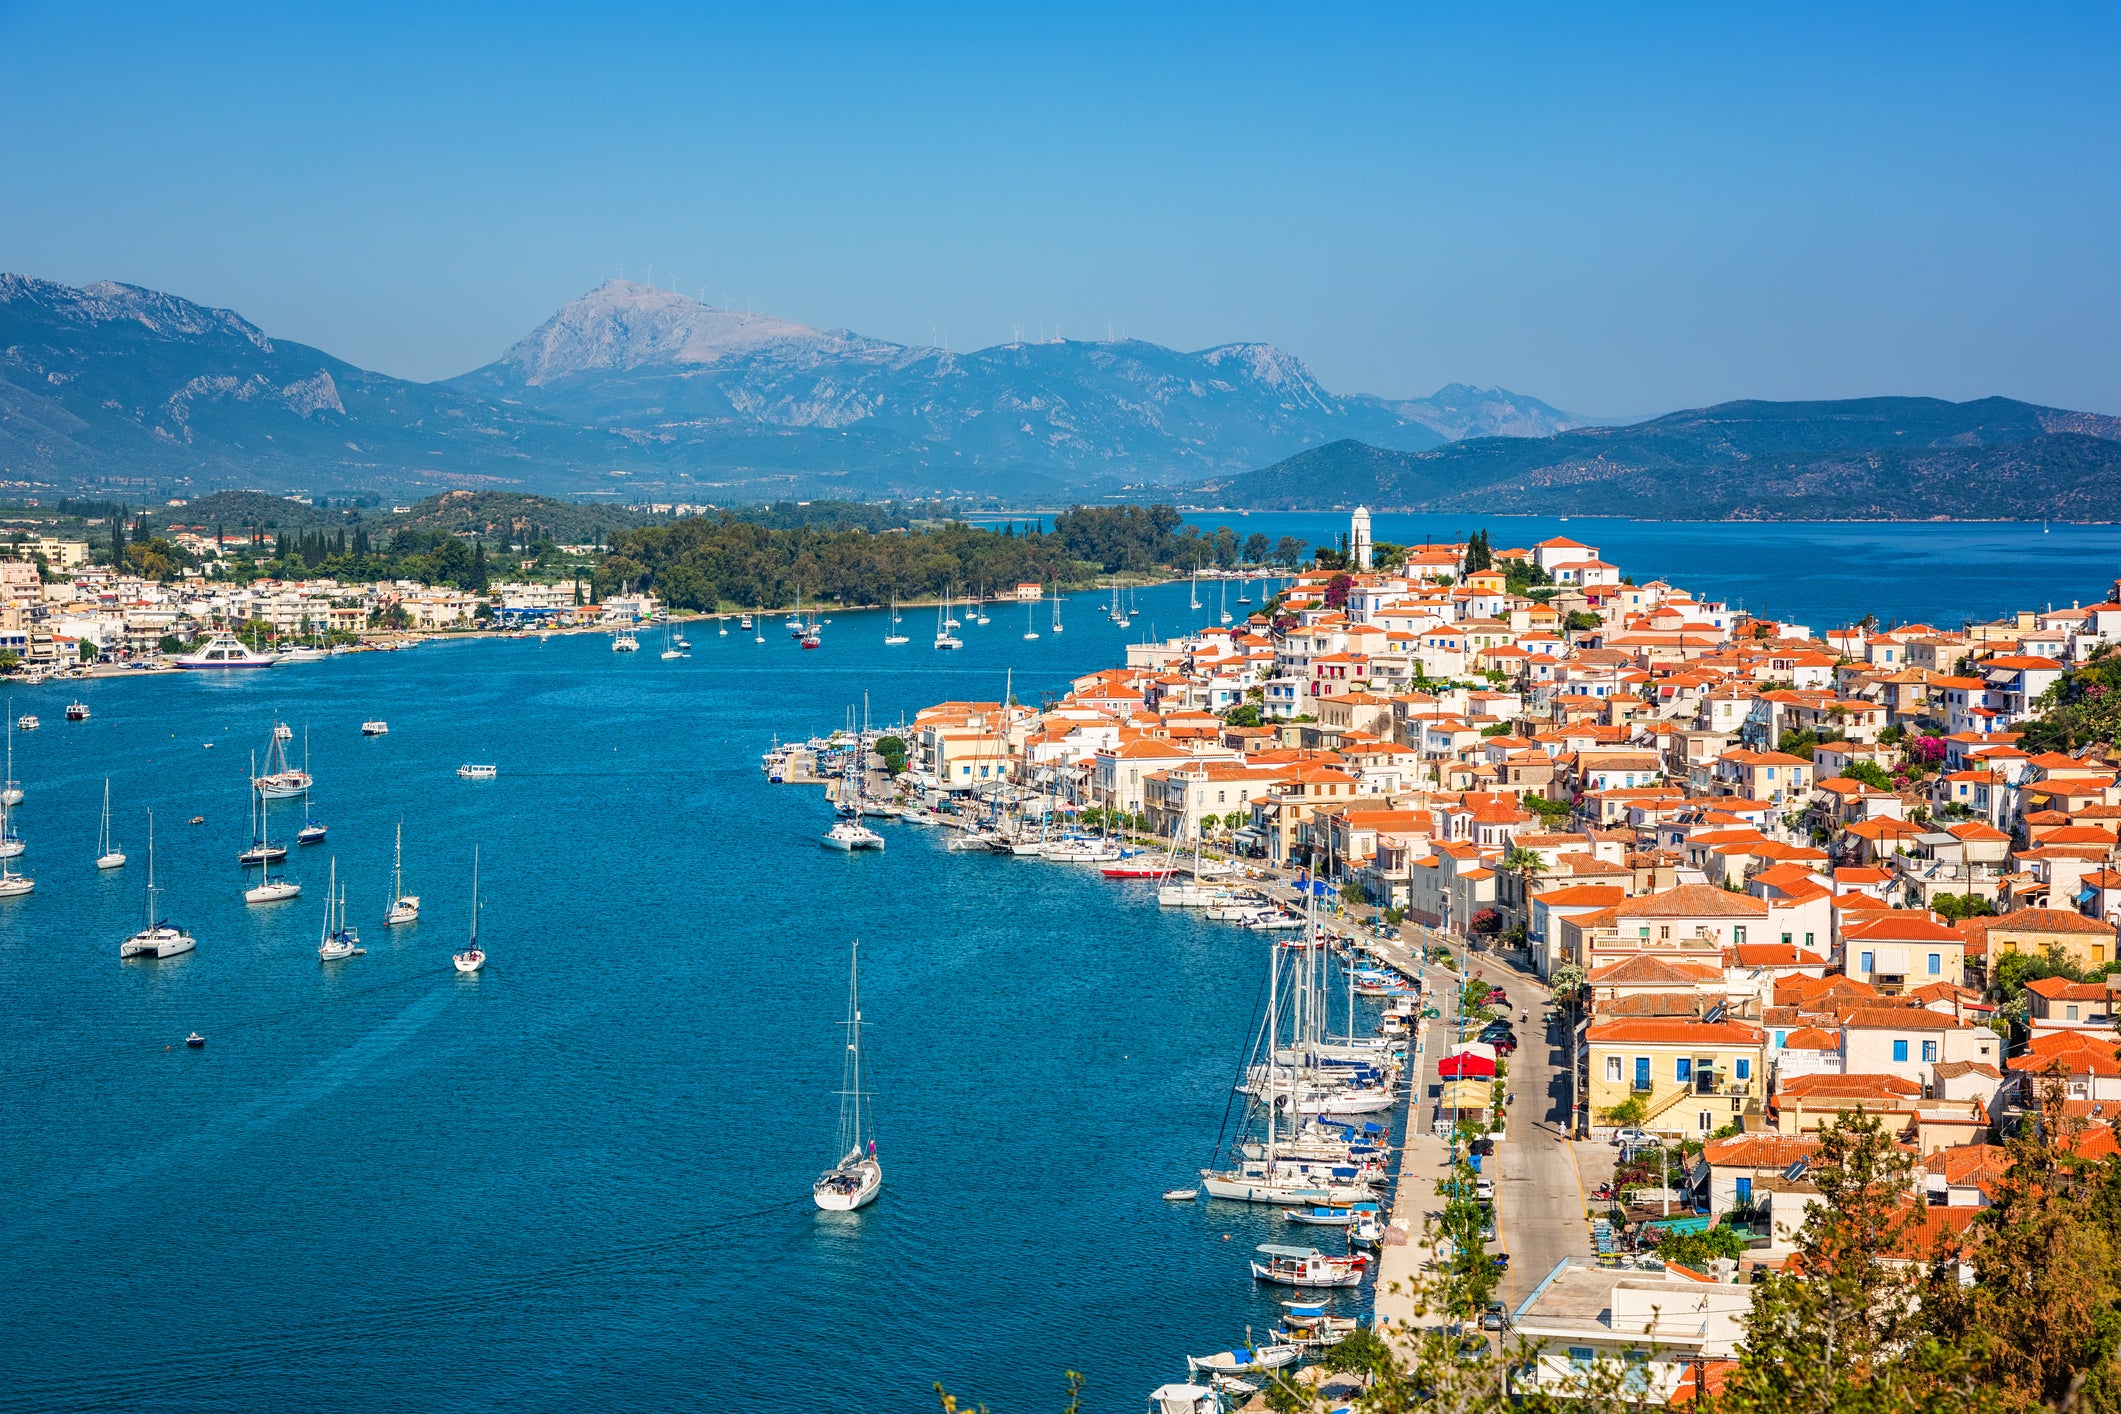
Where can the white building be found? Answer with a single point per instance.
(1359, 538)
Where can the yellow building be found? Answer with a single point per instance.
(1693, 1077)
(2085, 941)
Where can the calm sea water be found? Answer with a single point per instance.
(1819, 573)
(581, 1179)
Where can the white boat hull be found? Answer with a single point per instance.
(279, 891)
(405, 910)
(468, 962)
(1326, 1275)
(157, 942)
(113, 860)
(14, 886)
(1253, 1190)
(849, 1186)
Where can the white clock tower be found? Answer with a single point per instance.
(1359, 538)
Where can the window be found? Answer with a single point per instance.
(2069, 1013)
(1808, 941)
(1744, 1193)
(1744, 1067)
(1786, 937)
(1936, 964)
(1929, 1050)
(1899, 1050)
(1664, 933)
(1780, 1038)
(1738, 935)
(1705, 1121)
(1582, 1356)
(1612, 1068)
(1642, 1072)
(1863, 963)
(1685, 1069)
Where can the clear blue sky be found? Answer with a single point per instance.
(1619, 214)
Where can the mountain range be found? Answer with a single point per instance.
(1857, 459)
(636, 390)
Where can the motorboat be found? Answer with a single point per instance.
(282, 732)
(304, 655)
(744, 622)
(857, 1179)
(404, 907)
(1251, 1360)
(471, 771)
(375, 728)
(108, 855)
(1138, 871)
(851, 835)
(1185, 1399)
(195, 1041)
(225, 650)
(1079, 850)
(473, 957)
(1338, 1215)
(1306, 1323)
(338, 940)
(27, 722)
(1181, 1195)
(77, 711)
(1308, 1267)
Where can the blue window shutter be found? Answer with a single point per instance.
(1745, 1190)
(1684, 1070)
(1865, 964)
(1642, 1072)
(1745, 1068)
(1781, 1038)
(1899, 1050)
(1936, 964)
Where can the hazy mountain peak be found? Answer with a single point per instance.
(107, 301)
(622, 325)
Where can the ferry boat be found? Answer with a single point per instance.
(77, 711)
(471, 772)
(225, 650)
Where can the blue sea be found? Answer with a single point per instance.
(581, 1178)
(1822, 574)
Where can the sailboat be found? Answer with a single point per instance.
(670, 649)
(857, 1178)
(262, 853)
(261, 850)
(311, 832)
(892, 637)
(1056, 606)
(338, 940)
(160, 938)
(11, 793)
(473, 957)
(11, 843)
(944, 638)
(280, 781)
(1030, 630)
(1226, 601)
(108, 855)
(404, 907)
(1196, 588)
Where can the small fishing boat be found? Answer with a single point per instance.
(338, 940)
(472, 772)
(195, 1040)
(1307, 1324)
(160, 938)
(1338, 1215)
(1181, 1195)
(857, 1179)
(108, 855)
(27, 722)
(1308, 1267)
(1185, 1399)
(473, 957)
(77, 711)
(1138, 871)
(404, 907)
(378, 728)
(1252, 1360)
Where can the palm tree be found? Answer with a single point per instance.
(1526, 864)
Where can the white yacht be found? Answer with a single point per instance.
(473, 957)
(624, 642)
(27, 722)
(892, 637)
(160, 938)
(225, 650)
(13, 885)
(338, 940)
(108, 855)
(851, 835)
(857, 1179)
(281, 780)
(404, 907)
(944, 638)
(472, 771)
(377, 728)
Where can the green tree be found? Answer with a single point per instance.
(1870, 773)
(893, 750)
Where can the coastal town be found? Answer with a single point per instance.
(1753, 877)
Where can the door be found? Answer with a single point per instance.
(1642, 1072)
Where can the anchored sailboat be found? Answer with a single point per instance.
(160, 938)
(338, 940)
(311, 832)
(1056, 606)
(11, 793)
(404, 907)
(857, 1178)
(892, 637)
(108, 855)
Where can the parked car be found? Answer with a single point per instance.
(1483, 1188)
(1631, 1137)
(1496, 997)
(1491, 1318)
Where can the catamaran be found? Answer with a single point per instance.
(338, 940)
(108, 855)
(857, 1178)
(160, 938)
(851, 835)
(404, 907)
(625, 642)
(473, 957)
